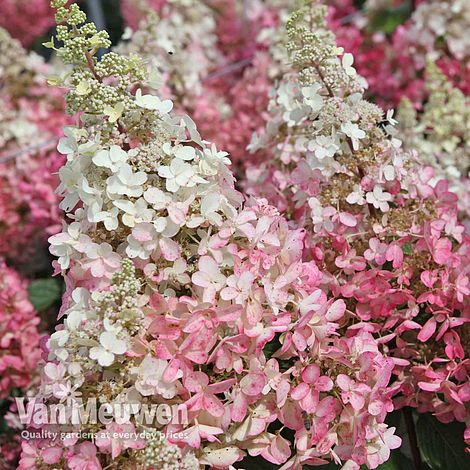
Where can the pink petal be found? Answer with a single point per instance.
(213, 405)
(311, 373)
(324, 384)
(336, 310)
(253, 384)
(428, 329)
(52, 455)
(344, 382)
(170, 249)
(347, 219)
(280, 449)
(300, 392)
(429, 387)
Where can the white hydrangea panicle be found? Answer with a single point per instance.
(179, 43)
(319, 115)
(446, 20)
(138, 194)
(440, 132)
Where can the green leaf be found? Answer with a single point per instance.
(44, 292)
(256, 463)
(397, 421)
(442, 446)
(387, 20)
(407, 248)
(271, 347)
(328, 466)
(397, 461)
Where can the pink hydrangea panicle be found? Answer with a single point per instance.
(180, 290)
(26, 24)
(31, 118)
(383, 228)
(20, 355)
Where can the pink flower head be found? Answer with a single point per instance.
(308, 391)
(116, 438)
(85, 458)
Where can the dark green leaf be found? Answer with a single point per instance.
(271, 347)
(397, 461)
(328, 466)
(44, 292)
(387, 20)
(407, 248)
(256, 463)
(442, 446)
(397, 421)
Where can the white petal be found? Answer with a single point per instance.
(165, 106)
(107, 339)
(185, 152)
(119, 347)
(105, 358)
(102, 159)
(164, 172)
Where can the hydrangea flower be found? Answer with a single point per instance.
(20, 354)
(376, 224)
(26, 24)
(217, 309)
(110, 345)
(30, 121)
(440, 132)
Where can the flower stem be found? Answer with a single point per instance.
(410, 428)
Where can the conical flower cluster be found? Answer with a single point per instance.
(384, 232)
(178, 294)
(31, 117)
(214, 328)
(441, 133)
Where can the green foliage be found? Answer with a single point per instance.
(44, 292)
(407, 248)
(272, 346)
(442, 446)
(4, 404)
(387, 20)
(256, 463)
(397, 461)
